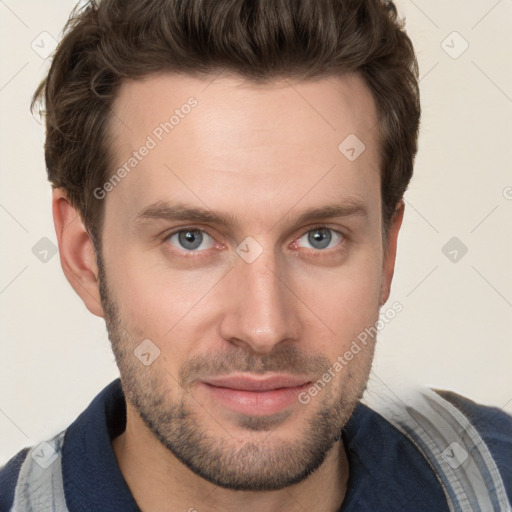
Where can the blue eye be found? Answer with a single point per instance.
(190, 239)
(322, 238)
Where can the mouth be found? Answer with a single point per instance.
(255, 395)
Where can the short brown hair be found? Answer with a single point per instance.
(108, 41)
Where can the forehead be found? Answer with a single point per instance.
(227, 143)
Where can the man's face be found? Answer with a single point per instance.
(265, 293)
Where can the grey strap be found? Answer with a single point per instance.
(39, 487)
(454, 449)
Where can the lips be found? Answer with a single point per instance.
(246, 383)
(254, 395)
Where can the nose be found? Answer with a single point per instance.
(261, 309)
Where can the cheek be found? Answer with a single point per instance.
(346, 301)
(345, 293)
(351, 310)
(358, 296)
(152, 297)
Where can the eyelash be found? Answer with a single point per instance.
(313, 252)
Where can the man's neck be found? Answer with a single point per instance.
(160, 482)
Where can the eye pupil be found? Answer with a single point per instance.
(320, 238)
(190, 239)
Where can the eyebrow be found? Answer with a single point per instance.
(165, 210)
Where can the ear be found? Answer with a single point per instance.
(390, 252)
(77, 254)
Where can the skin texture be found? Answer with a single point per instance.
(262, 154)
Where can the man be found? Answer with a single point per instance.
(227, 194)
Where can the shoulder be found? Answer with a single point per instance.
(9, 474)
(494, 426)
(414, 435)
(486, 418)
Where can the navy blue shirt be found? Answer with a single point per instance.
(386, 471)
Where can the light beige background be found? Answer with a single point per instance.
(455, 328)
